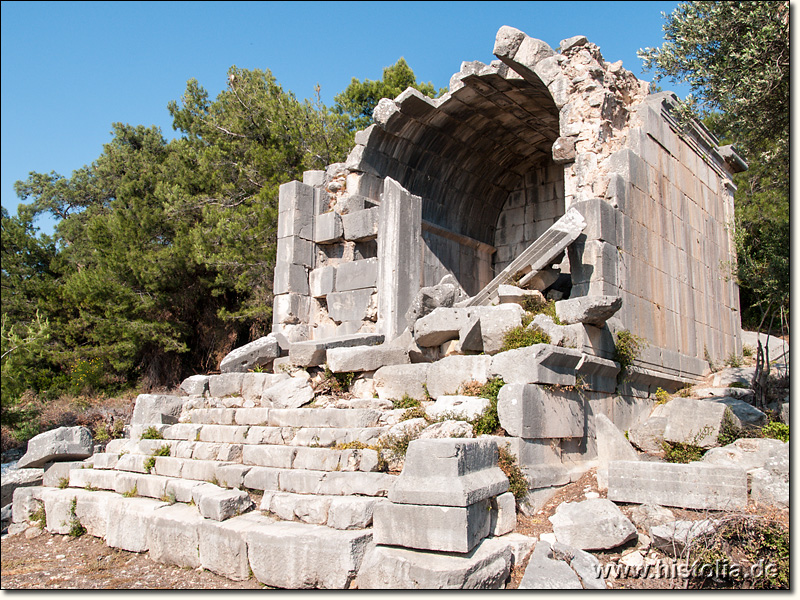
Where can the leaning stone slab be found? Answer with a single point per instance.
(258, 353)
(649, 435)
(64, 443)
(439, 528)
(392, 382)
(695, 422)
(504, 514)
(449, 472)
(539, 363)
(17, 478)
(446, 376)
(693, 485)
(486, 567)
(301, 556)
(486, 327)
(545, 572)
(174, 536)
(591, 310)
(128, 526)
(595, 524)
(611, 445)
(370, 358)
(531, 411)
(673, 538)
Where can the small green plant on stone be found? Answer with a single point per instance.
(685, 392)
(662, 397)
(131, 493)
(522, 336)
(151, 433)
(489, 422)
(406, 402)
(258, 369)
(416, 412)
(63, 482)
(538, 306)
(776, 430)
(75, 528)
(425, 391)
(677, 452)
(517, 482)
(169, 498)
(163, 451)
(748, 351)
(90, 488)
(101, 434)
(729, 431)
(197, 436)
(39, 516)
(627, 348)
(149, 464)
(711, 364)
(733, 360)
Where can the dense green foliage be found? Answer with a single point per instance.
(489, 422)
(163, 252)
(776, 430)
(735, 56)
(517, 482)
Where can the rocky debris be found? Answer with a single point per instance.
(459, 407)
(444, 294)
(695, 485)
(770, 484)
(14, 479)
(439, 326)
(566, 336)
(645, 516)
(675, 537)
(486, 326)
(586, 566)
(611, 445)
(258, 353)
(740, 375)
(594, 524)
(745, 453)
(695, 422)
(313, 353)
(590, 310)
(521, 546)
(722, 392)
(151, 409)
(447, 429)
(64, 443)
(545, 572)
(649, 434)
(511, 294)
(486, 567)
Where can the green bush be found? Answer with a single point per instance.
(662, 397)
(149, 463)
(676, 452)
(416, 412)
(406, 402)
(517, 482)
(163, 451)
(151, 433)
(534, 305)
(522, 336)
(776, 430)
(489, 422)
(75, 528)
(729, 431)
(627, 348)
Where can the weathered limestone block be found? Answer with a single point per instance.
(227, 384)
(328, 228)
(128, 526)
(446, 376)
(449, 472)
(14, 479)
(591, 310)
(598, 374)
(693, 485)
(674, 537)
(369, 358)
(174, 536)
(648, 435)
(226, 434)
(312, 353)
(258, 353)
(223, 545)
(745, 453)
(595, 524)
(504, 515)
(564, 150)
(770, 484)
(322, 281)
(439, 528)
(301, 556)
(289, 393)
(539, 363)
(291, 279)
(586, 566)
(335, 483)
(486, 567)
(544, 572)
(741, 375)
(232, 476)
(356, 275)
(486, 327)
(695, 422)
(392, 382)
(196, 385)
(447, 429)
(444, 294)
(324, 417)
(219, 504)
(251, 416)
(290, 309)
(268, 456)
(745, 412)
(25, 502)
(64, 443)
(511, 294)
(531, 411)
(464, 407)
(361, 225)
(262, 478)
(611, 446)
(439, 326)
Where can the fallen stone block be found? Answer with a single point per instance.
(675, 537)
(439, 528)
(254, 384)
(223, 545)
(350, 512)
(449, 472)
(447, 429)
(544, 572)
(595, 524)
(258, 353)
(457, 407)
(598, 374)
(312, 353)
(486, 326)
(511, 294)
(174, 536)
(591, 310)
(531, 411)
(128, 525)
(62, 444)
(447, 376)
(218, 504)
(439, 326)
(289, 393)
(747, 414)
(395, 381)
(645, 516)
(370, 358)
(25, 502)
(521, 546)
(745, 453)
(611, 446)
(486, 567)
(14, 479)
(442, 295)
(770, 484)
(227, 384)
(694, 485)
(740, 375)
(695, 422)
(196, 385)
(649, 435)
(586, 566)
(301, 556)
(539, 363)
(151, 409)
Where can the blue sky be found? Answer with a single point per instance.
(71, 69)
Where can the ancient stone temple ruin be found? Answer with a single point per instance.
(545, 174)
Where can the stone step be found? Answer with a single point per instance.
(337, 512)
(287, 417)
(285, 435)
(278, 554)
